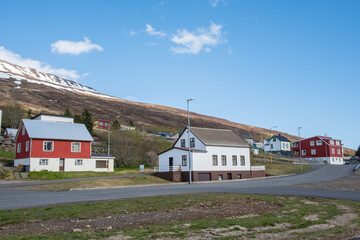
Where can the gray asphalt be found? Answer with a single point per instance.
(13, 199)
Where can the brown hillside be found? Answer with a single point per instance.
(41, 98)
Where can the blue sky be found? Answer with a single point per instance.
(262, 63)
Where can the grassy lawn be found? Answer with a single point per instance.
(275, 169)
(65, 186)
(295, 217)
(7, 155)
(48, 175)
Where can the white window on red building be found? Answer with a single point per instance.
(19, 148)
(23, 130)
(313, 151)
(338, 143)
(78, 162)
(295, 144)
(303, 152)
(332, 142)
(318, 142)
(48, 146)
(338, 151)
(312, 143)
(27, 146)
(43, 162)
(75, 147)
(333, 150)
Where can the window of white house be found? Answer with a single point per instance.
(337, 142)
(338, 151)
(19, 148)
(242, 160)
(332, 142)
(192, 142)
(78, 162)
(27, 146)
(271, 146)
(303, 152)
(75, 147)
(23, 130)
(333, 150)
(184, 160)
(313, 151)
(312, 143)
(234, 160)
(295, 144)
(284, 146)
(215, 160)
(223, 160)
(182, 142)
(48, 146)
(318, 142)
(43, 162)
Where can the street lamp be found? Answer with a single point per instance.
(300, 149)
(188, 100)
(108, 162)
(273, 127)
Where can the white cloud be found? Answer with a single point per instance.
(75, 48)
(214, 2)
(151, 31)
(201, 39)
(86, 74)
(11, 57)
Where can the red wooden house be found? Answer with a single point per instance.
(319, 149)
(101, 124)
(56, 145)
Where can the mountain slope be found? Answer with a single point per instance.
(53, 94)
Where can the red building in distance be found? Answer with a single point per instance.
(319, 149)
(101, 124)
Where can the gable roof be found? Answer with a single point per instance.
(57, 130)
(280, 137)
(218, 137)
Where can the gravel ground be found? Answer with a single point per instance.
(351, 183)
(200, 211)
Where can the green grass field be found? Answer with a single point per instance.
(7, 155)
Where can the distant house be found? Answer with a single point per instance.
(10, 133)
(248, 139)
(216, 154)
(319, 149)
(277, 144)
(101, 124)
(55, 143)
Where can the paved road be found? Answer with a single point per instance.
(12, 199)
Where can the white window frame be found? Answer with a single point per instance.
(313, 151)
(312, 143)
(332, 142)
(184, 160)
(18, 150)
(73, 144)
(23, 130)
(234, 160)
(333, 150)
(338, 151)
(27, 146)
(337, 142)
(45, 144)
(215, 161)
(192, 142)
(295, 144)
(43, 162)
(242, 160)
(182, 143)
(318, 142)
(223, 160)
(303, 152)
(78, 162)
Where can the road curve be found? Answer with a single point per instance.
(13, 199)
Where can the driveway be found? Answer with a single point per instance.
(11, 198)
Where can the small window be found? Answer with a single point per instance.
(48, 146)
(19, 148)
(43, 162)
(182, 141)
(27, 146)
(296, 153)
(23, 130)
(333, 150)
(313, 151)
(295, 144)
(100, 123)
(332, 142)
(106, 124)
(215, 160)
(192, 142)
(271, 146)
(337, 142)
(223, 160)
(239, 176)
(242, 160)
(220, 177)
(78, 162)
(75, 147)
(234, 160)
(303, 152)
(312, 143)
(318, 142)
(184, 160)
(338, 151)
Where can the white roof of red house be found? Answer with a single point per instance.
(57, 130)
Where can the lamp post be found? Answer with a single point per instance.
(188, 100)
(108, 162)
(273, 128)
(300, 149)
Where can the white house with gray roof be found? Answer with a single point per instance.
(216, 154)
(277, 143)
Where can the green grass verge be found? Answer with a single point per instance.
(275, 169)
(7, 155)
(292, 212)
(48, 175)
